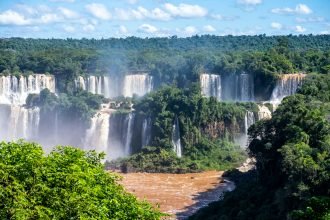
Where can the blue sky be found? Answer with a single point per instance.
(159, 18)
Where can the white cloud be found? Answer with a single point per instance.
(303, 9)
(147, 28)
(99, 11)
(44, 9)
(310, 20)
(123, 29)
(26, 9)
(159, 14)
(141, 13)
(300, 29)
(249, 2)
(69, 28)
(209, 28)
(299, 9)
(187, 31)
(67, 13)
(89, 28)
(49, 18)
(185, 10)
(324, 32)
(11, 17)
(222, 17)
(276, 25)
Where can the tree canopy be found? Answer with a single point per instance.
(68, 183)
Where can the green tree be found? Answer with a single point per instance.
(68, 183)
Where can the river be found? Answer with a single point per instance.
(179, 195)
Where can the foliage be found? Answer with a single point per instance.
(219, 155)
(170, 60)
(68, 183)
(207, 130)
(155, 160)
(293, 162)
(80, 105)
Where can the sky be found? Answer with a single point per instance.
(161, 18)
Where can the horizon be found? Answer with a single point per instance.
(100, 19)
(165, 37)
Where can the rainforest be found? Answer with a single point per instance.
(74, 113)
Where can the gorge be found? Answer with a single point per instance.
(113, 131)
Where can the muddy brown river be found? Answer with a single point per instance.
(179, 195)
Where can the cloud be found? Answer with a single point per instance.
(249, 2)
(310, 20)
(49, 18)
(222, 17)
(123, 29)
(299, 9)
(99, 11)
(89, 28)
(300, 29)
(69, 28)
(324, 32)
(11, 17)
(147, 28)
(185, 10)
(141, 13)
(187, 31)
(67, 13)
(209, 28)
(276, 25)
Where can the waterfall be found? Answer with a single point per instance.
(245, 88)
(97, 136)
(264, 112)
(286, 85)
(129, 133)
(248, 120)
(138, 84)
(146, 132)
(238, 87)
(94, 84)
(15, 90)
(80, 83)
(176, 141)
(19, 122)
(211, 85)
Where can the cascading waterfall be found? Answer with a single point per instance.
(249, 120)
(211, 85)
(129, 133)
(97, 136)
(286, 85)
(245, 88)
(15, 90)
(146, 132)
(19, 122)
(176, 141)
(138, 84)
(237, 87)
(94, 84)
(242, 138)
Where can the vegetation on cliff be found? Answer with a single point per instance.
(207, 130)
(293, 162)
